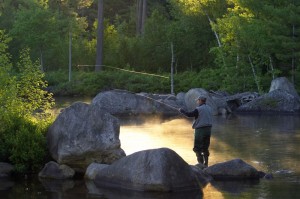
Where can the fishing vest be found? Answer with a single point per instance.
(204, 117)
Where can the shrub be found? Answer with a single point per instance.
(24, 106)
(24, 143)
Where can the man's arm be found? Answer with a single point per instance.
(193, 113)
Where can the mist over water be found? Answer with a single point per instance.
(270, 143)
(176, 135)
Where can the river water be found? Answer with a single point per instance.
(270, 143)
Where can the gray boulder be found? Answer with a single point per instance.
(193, 94)
(202, 177)
(83, 134)
(55, 171)
(275, 101)
(5, 169)
(237, 100)
(124, 103)
(161, 170)
(93, 169)
(282, 83)
(180, 99)
(233, 169)
(282, 97)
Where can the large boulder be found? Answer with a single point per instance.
(161, 170)
(275, 101)
(180, 99)
(233, 169)
(124, 103)
(83, 134)
(193, 94)
(237, 100)
(55, 171)
(282, 83)
(282, 97)
(93, 169)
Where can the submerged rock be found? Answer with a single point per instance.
(83, 134)
(55, 171)
(160, 170)
(233, 169)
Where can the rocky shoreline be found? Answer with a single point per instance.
(85, 139)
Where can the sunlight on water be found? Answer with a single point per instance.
(210, 192)
(263, 142)
(176, 135)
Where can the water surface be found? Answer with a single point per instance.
(270, 143)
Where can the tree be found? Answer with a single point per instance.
(23, 111)
(100, 30)
(36, 24)
(141, 16)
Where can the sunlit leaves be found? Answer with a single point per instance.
(31, 86)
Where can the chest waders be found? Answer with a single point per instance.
(201, 144)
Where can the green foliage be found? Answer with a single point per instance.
(24, 106)
(90, 83)
(24, 143)
(259, 39)
(31, 87)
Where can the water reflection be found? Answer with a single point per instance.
(268, 142)
(124, 194)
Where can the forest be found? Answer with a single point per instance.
(80, 47)
(232, 45)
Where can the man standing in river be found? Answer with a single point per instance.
(202, 125)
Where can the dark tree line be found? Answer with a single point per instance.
(225, 39)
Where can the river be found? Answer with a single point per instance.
(270, 143)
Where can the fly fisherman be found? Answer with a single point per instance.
(202, 125)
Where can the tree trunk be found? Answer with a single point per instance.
(70, 56)
(293, 57)
(42, 61)
(141, 16)
(139, 6)
(144, 16)
(272, 68)
(254, 74)
(216, 35)
(172, 69)
(99, 52)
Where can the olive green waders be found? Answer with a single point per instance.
(201, 144)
